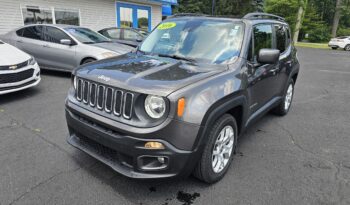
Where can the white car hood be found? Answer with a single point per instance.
(10, 55)
(115, 47)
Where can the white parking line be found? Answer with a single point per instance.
(336, 71)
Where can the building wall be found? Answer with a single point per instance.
(95, 14)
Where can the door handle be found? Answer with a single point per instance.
(46, 46)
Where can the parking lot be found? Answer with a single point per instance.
(303, 158)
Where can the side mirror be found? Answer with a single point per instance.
(66, 42)
(268, 56)
(139, 39)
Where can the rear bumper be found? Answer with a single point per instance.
(124, 153)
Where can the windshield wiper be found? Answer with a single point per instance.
(177, 57)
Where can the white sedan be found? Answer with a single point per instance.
(340, 42)
(18, 70)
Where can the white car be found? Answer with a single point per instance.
(340, 42)
(18, 70)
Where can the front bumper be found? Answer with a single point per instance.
(125, 153)
(21, 85)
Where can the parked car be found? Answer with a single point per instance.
(340, 42)
(63, 47)
(128, 36)
(178, 104)
(18, 70)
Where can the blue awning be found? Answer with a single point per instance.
(166, 10)
(171, 2)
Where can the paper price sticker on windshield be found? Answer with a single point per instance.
(166, 25)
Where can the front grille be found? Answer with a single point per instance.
(105, 98)
(14, 67)
(16, 77)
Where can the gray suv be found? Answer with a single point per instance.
(178, 104)
(63, 47)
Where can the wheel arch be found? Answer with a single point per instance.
(86, 58)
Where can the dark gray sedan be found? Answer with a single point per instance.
(63, 47)
(128, 36)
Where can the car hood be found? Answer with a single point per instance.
(115, 47)
(147, 74)
(10, 55)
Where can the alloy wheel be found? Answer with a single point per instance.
(289, 97)
(222, 150)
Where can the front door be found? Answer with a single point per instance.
(134, 16)
(261, 77)
(57, 55)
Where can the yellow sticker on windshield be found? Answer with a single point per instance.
(166, 25)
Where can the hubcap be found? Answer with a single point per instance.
(289, 96)
(223, 149)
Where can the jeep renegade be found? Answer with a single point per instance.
(177, 104)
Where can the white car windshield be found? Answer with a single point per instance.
(87, 36)
(212, 41)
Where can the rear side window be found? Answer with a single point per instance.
(20, 32)
(281, 37)
(54, 35)
(33, 32)
(262, 38)
(130, 35)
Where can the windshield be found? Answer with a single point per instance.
(211, 41)
(86, 35)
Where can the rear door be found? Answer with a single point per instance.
(261, 77)
(30, 41)
(283, 44)
(57, 55)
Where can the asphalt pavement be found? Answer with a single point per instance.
(302, 158)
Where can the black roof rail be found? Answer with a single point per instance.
(261, 15)
(186, 14)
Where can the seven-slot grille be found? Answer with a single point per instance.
(104, 98)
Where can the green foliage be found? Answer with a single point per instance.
(343, 32)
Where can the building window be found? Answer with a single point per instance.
(142, 19)
(37, 15)
(65, 16)
(126, 17)
(134, 16)
(46, 15)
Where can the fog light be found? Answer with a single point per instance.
(161, 160)
(154, 145)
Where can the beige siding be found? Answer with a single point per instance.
(95, 14)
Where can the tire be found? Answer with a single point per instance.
(347, 47)
(334, 48)
(283, 108)
(205, 169)
(88, 60)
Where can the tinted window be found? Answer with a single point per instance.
(113, 33)
(281, 37)
(20, 32)
(262, 38)
(33, 32)
(54, 35)
(130, 35)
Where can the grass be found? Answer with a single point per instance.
(313, 45)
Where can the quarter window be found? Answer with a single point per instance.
(262, 38)
(33, 32)
(281, 37)
(54, 35)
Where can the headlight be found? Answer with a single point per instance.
(109, 54)
(75, 82)
(32, 61)
(155, 106)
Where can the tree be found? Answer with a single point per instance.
(302, 7)
(336, 18)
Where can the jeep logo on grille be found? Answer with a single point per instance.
(13, 67)
(105, 78)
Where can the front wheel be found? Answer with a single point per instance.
(218, 152)
(283, 108)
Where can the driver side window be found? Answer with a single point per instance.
(262, 38)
